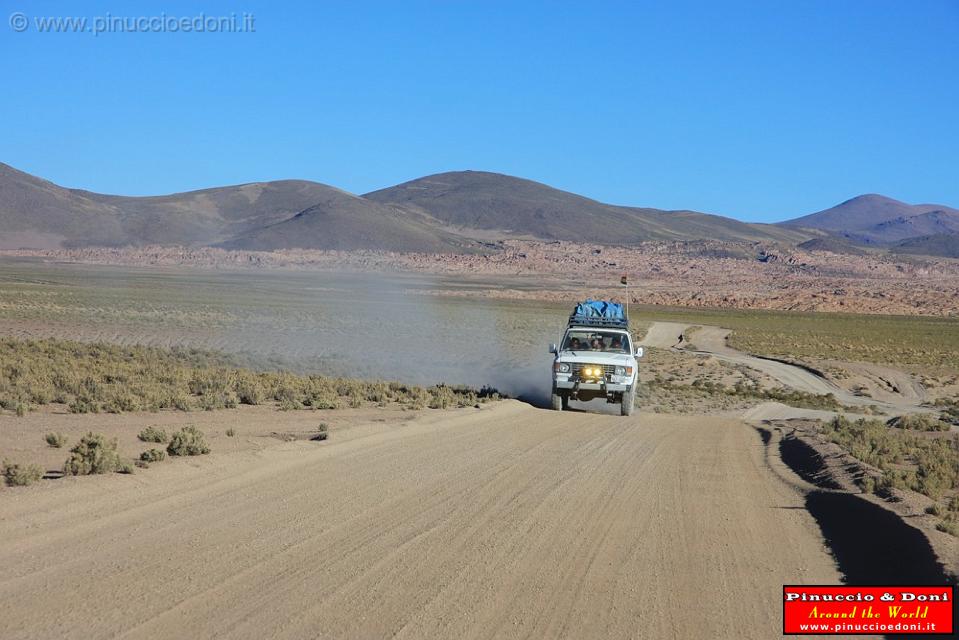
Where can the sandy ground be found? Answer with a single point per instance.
(505, 521)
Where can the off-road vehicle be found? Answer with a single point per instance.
(596, 358)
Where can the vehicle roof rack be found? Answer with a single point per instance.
(598, 322)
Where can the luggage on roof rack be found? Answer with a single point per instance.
(599, 313)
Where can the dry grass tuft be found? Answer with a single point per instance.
(55, 440)
(21, 475)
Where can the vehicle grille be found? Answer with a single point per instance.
(608, 369)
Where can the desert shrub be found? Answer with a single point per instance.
(441, 397)
(928, 465)
(20, 475)
(153, 455)
(210, 381)
(188, 441)
(180, 402)
(55, 440)
(249, 389)
(125, 467)
(742, 389)
(152, 434)
(231, 432)
(322, 432)
(489, 393)
(289, 404)
(324, 400)
(93, 454)
(417, 398)
(355, 400)
(42, 394)
(120, 402)
(83, 404)
(213, 400)
(91, 378)
(285, 388)
(949, 408)
(937, 471)
(919, 422)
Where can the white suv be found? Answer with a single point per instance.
(595, 360)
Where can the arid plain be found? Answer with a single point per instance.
(476, 518)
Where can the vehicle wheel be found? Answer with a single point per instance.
(628, 402)
(560, 401)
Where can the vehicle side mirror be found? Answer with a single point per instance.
(552, 348)
(639, 352)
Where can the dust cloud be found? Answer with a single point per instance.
(392, 327)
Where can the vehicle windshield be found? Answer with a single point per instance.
(586, 340)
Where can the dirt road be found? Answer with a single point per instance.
(906, 398)
(712, 340)
(503, 522)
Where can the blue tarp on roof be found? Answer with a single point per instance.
(600, 309)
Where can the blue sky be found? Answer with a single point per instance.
(757, 110)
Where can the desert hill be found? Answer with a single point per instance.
(346, 222)
(940, 244)
(37, 213)
(876, 219)
(482, 201)
(458, 212)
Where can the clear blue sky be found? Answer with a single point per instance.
(758, 110)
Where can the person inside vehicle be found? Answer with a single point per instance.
(574, 344)
(596, 344)
(616, 344)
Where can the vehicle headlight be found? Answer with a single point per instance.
(562, 367)
(620, 371)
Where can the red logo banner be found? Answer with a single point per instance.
(844, 610)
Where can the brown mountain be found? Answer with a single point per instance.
(38, 213)
(876, 219)
(447, 212)
(832, 244)
(940, 244)
(936, 222)
(471, 201)
(340, 220)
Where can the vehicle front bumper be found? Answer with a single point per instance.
(579, 385)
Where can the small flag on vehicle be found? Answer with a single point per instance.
(623, 279)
